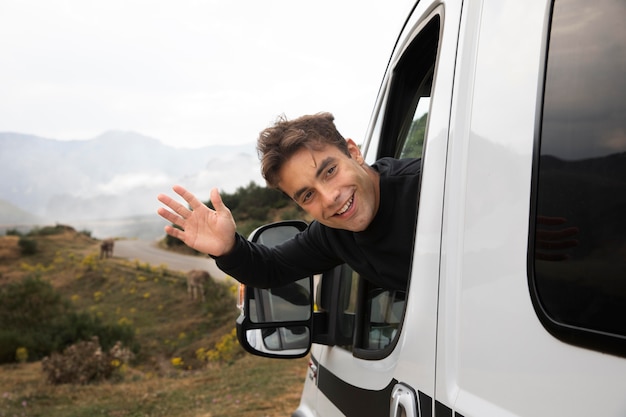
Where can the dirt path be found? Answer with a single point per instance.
(147, 251)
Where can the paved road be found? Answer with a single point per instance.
(147, 251)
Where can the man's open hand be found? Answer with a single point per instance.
(205, 230)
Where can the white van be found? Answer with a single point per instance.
(516, 304)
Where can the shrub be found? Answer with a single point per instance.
(84, 363)
(28, 246)
(34, 316)
(83, 326)
(50, 230)
(31, 303)
(10, 341)
(290, 214)
(253, 202)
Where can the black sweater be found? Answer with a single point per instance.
(381, 253)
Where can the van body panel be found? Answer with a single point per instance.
(484, 285)
(484, 270)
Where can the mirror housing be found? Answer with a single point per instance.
(277, 322)
(283, 322)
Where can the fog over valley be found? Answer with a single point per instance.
(108, 185)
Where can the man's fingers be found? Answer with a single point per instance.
(194, 203)
(169, 216)
(174, 232)
(216, 199)
(170, 202)
(181, 210)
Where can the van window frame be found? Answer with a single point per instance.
(394, 124)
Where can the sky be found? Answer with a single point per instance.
(190, 73)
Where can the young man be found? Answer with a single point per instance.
(364, 215)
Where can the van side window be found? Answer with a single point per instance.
(383, 313)
(413, 144)
(577, 257)
(405, 119)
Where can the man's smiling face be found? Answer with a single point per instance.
(339, 191)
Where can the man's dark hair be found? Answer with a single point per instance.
(278, 143)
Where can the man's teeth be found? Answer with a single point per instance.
(346, 207)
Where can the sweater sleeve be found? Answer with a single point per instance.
(260, 266)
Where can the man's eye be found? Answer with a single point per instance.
(331, 170)
(307, 196)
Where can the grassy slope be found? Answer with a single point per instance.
(167, 325)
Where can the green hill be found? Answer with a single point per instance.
(186, 361)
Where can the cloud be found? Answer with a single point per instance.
(124, 183)
(190, 73)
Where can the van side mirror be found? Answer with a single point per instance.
(277, 322)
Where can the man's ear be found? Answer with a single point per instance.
(355, 151)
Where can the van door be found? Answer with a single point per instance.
(533, 294)
(389, 367)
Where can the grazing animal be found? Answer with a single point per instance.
(106, 248)
(195, 283)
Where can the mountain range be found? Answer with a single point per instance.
(109, 179)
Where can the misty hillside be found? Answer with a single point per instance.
(11, 214)
(115, 175)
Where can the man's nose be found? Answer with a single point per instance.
(330, 196)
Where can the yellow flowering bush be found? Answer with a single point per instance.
(124, 321)
(226, 350)
(201, 354)
(58, 261)
(21, 354)
(90, 262)
(37, 268)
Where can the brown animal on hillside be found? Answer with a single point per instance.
(106, 248)
(195, 283)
